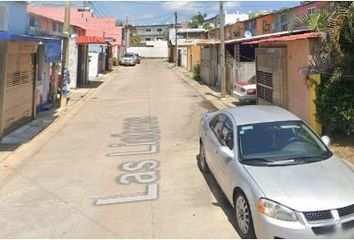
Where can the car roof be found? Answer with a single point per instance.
(260, 113)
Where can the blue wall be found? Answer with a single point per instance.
(18, 17)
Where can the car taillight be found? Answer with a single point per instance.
(243, 90)
(251, 91)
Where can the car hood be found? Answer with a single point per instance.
(127, 59)
(322, 185)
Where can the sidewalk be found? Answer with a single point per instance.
(205, 91)
(44, 119)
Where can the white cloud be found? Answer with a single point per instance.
(182, 6)
(203, 7)
(146, 16)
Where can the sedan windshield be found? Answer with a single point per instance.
(280, 143)
(128, 55)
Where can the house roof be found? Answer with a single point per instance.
(266, 36)
(287, 38)
(94, 26)
(90, 40)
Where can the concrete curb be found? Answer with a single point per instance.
(63, 115)
(215, 102)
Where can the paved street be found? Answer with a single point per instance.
(123, 166)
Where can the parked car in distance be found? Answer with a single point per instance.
(137, 58)
(246, 91)
(279, 175)
(128, 59)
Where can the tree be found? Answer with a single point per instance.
(133, 37)
(197, 20)
(336, 25)
(119, 23)
(334, 57)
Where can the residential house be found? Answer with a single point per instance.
(86, 29)
(153, 32)
(189, 54)
(280, 78)
(19, 72)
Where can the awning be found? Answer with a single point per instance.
(90, 40)
(52, 45)
(287, 38)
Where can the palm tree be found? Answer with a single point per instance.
(336, 24)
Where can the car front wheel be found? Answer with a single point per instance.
(244, 223)
(203, 165)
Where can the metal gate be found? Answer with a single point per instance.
(271, 74)
(19, 86)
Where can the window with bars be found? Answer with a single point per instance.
(265, 86)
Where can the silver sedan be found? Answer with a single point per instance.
(278, 174)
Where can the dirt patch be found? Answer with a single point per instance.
(344, 147)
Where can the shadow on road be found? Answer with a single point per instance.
(221, 200)
(92, 84)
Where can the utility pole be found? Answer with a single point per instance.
(126, 35)
(64, 65)
(176, 47)
(222, 50)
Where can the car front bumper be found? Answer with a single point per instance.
(266, 227)
(127, 63)
(244, 97)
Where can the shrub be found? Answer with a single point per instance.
(196, 72)
(335, 103)
(115, 62)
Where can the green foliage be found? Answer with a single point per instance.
(119, 23)
(335, 103)
(115, 61)
(196, 72)
(336, 23)
(197, 20)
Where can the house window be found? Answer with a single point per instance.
(159, 29)
(284, 22)
(147, 39)
(266, 26)
(148, 30)
(34, 21)
(311, 10)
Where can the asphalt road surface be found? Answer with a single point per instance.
(124, 166)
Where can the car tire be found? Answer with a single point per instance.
(202, 163)
(244, 222)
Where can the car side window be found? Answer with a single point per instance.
(227, 136)
(217, 124)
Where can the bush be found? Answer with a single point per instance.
(335, 104)
(115, 62)
(196, 72)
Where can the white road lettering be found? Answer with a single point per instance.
(152, 194)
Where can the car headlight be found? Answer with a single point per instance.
(276, 210)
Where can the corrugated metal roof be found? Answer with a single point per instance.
(287, 38)
(90, 40)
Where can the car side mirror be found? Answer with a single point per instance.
(326, 140)
(227, 152)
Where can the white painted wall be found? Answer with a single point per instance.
(93, 65)
(72, 62)
(183, 56)
(156, 49)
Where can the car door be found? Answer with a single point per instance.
(214, 144)
(227, 164)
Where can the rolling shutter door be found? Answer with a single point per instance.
(19, 90)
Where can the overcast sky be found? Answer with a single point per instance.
(154, 12)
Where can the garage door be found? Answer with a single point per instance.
(19, 88)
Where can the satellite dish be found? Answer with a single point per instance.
(248, 34)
